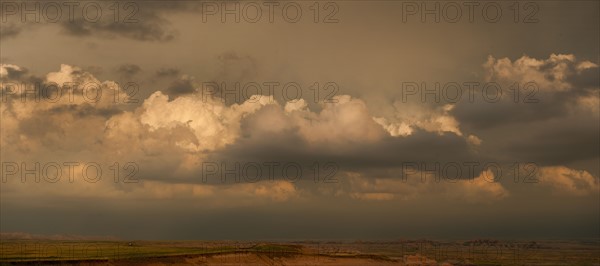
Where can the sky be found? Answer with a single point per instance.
(373, 120)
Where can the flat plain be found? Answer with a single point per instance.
(405, 252)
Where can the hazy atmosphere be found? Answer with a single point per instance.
(300, 120)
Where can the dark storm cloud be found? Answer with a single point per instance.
(181, 86)
(9, 31)
(128, 70)
(389, 153)
(483, 114)
(16, 80)
(138, 20)
(555, 142)
(19, 74)
(564, 84)
(586, 79)
(153, 28)
(551, 125)
(84, 110)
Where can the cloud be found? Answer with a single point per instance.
(218, 125)
(555, 128)
(560, 72)
(413, 115)
(569, 181)
(128, 70)
(10, 73)
(474, 140)
(167, 72)
(184, 85)
(347, 120)
(482, 188)
(9, 30)
(266, 191)
(171, 136)
(137, 20)
(533, 90)
(150, 28)
(49, 112)
(235, 67)
(395, 129)
(232, 195)
(213, 123)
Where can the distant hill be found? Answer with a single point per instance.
(28, 236)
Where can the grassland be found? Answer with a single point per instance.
(420, 252)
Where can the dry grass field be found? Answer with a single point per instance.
(421, 252)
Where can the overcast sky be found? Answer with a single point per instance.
(167, 97)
